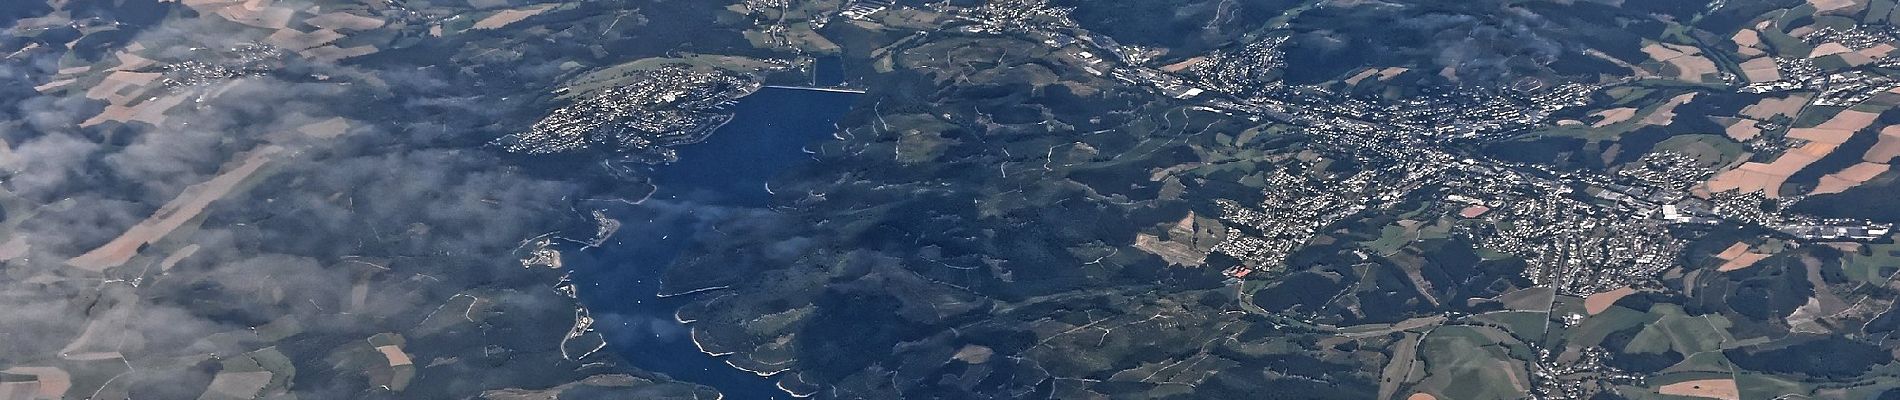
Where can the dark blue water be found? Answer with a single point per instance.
(827, 71)
(727, 172)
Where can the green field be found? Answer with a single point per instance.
(1592, 330)
(1703, 362)
(1391, 239)
(1707, 149)
(1813, 116)
(1463, 363)
(1529, 325)
(1675, 330)
(1867, 268)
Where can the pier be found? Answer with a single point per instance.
(819, 89)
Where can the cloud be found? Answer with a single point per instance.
(358, 234)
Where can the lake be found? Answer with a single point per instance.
(727, 172)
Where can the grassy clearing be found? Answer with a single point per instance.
(1881, 261)
(1399, 371)
(1712, 361)
(1674, 329)
(1778, 39)
(1524, 324)
(1391, 239)
(1463, 363)
(1816, 115)
(1592, 330)
(1764, 386)
(1878, 12)
(1705, 148)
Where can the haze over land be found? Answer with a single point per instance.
(1407, 199)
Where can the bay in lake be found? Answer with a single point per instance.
(618, 281)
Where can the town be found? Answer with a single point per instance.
(641, 118)
(1580, 232)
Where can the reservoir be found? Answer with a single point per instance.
(618, 281)
(828, 71)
